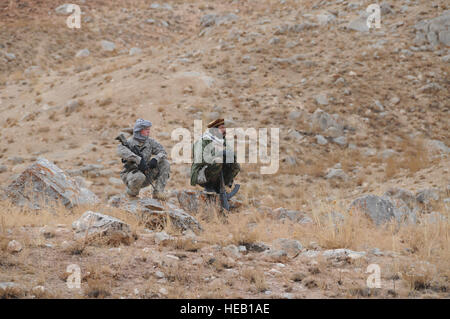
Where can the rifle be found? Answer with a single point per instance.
(224, 196)
(142, 166)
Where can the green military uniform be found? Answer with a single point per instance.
(206, 173)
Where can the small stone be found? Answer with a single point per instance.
(321, 140)
(135, 51)
(108, 46)
(341, 140)
(162, 237)
(83, 53)
(336, 173)
(10, 56)
(14, 246)
(321, 99)
(163, 291)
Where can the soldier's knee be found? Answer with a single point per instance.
(164, 165)
(136, 179)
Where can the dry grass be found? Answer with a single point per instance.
(256, 277)
(98, 288)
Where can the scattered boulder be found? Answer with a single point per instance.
(134, 205)
(275, 254)
(321, 140)
(232, 250)
(334, 173)
(107, 46)
(324, 121)
(135, 51)
(14, 247)
(434, 32)
(397, 194)
(43, 183)
(321, 99)
(325, 18)
(341, 140)
(162, 237)
(83, 53)
(95, 224)
(154, 215)
(379, 209)
(438, 146)
(342, 256)
(256, 247)
(10, 56)
(291, 246)
(431, 88)
(427, 196)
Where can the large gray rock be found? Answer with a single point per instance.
(386, 208)
(154, 215)
(44, 184)
(397, 194)
(134, 205)
(178, 217)
(336, 173)
(210, 20)
(379, 209)
(291, 246)
(324, 121)
(427, 196)
(96, 224)
(188, 200)
(435, 31)
(439, 146)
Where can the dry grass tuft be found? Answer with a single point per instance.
(97, 288)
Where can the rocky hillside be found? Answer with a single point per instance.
(363, 116)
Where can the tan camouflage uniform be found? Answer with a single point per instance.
(135, 179)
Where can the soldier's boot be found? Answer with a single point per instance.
(134, 183)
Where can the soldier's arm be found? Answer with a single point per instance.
(127, 155)
(158, 150)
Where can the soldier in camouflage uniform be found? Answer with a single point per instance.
(206, 172)
(159, 167)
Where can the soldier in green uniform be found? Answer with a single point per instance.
(211, 158)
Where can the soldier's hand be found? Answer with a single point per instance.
(142, 165)
(153, 163)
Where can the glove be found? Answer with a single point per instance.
(142, 165)
(153, 163)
